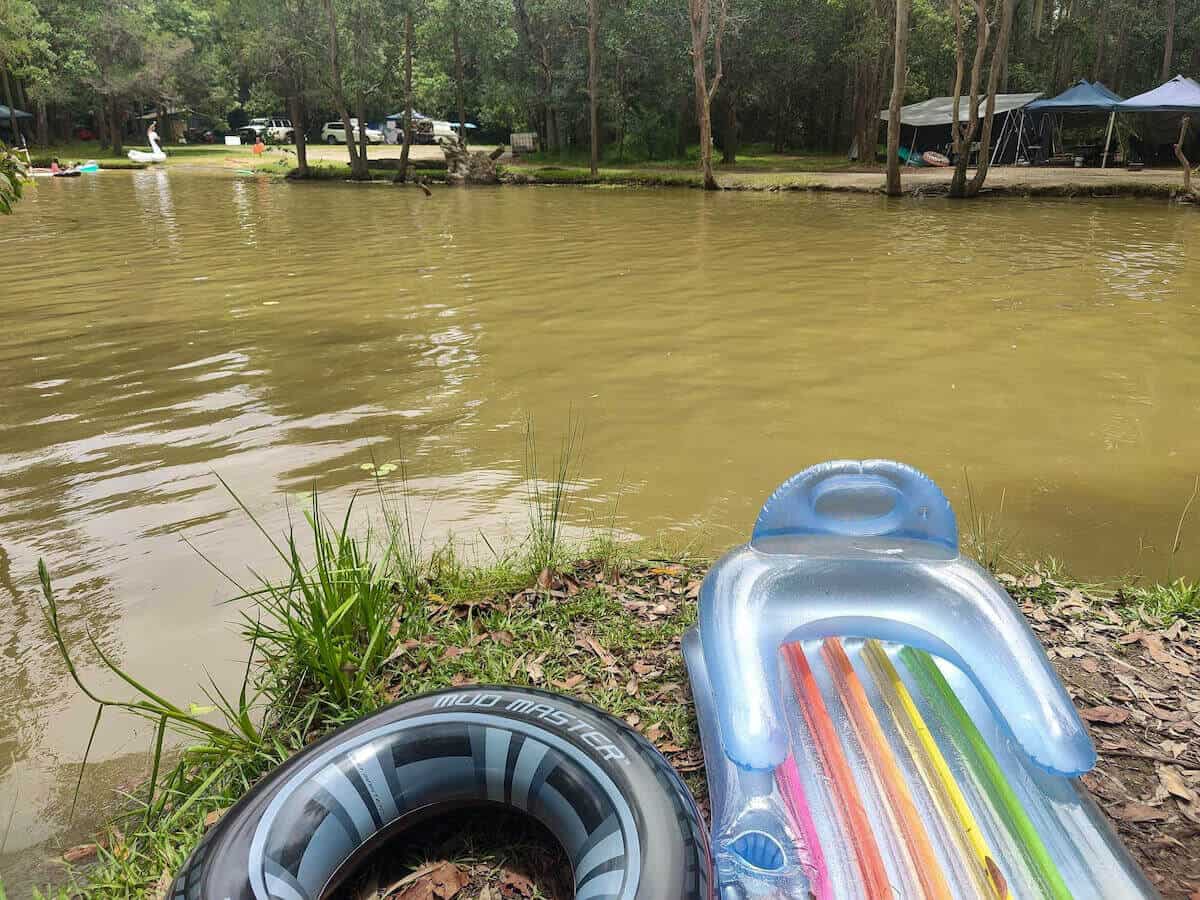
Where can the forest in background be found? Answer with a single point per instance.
(794, 74)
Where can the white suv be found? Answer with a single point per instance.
(272, 131)
(335, 133)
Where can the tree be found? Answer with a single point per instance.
(130, 60)
(899, 77)
(22, 41)
(868, 48)
(408, 92)
(337, 89)
(700, 17)
(1169, 41)
(594, 83)
(456, 40)
(281, 50)
(964, 136)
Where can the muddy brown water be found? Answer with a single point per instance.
(161, 328)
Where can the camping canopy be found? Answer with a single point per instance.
(1178, 95)
(6, 114)
(940, 110)
(1083, 96)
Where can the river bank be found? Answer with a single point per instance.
(763, 172)
(603, 623)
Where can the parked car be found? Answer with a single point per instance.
(274, 130)
(335, 133)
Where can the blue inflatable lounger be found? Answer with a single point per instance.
(878, 720)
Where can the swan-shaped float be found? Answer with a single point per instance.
(156, 154)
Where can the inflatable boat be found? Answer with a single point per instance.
(877, 719)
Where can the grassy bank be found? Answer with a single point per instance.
(359, 621)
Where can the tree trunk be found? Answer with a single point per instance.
(594, 84)
(1179, 155)
(456, 14)
(699, 16)
(100, 117)
(296, 109)
(729, 133)
(1169, 45)
(117, 127)
(42, 136)
(408, 96)
(361, 114)
(12, 111)
(1101, 36)
(358, 168)
(552, 130)
(999, 53)
(958, 185)
(899, 79)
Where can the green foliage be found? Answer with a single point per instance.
(326, 629)
(791, 66)
(1178, 600)
(12, 177)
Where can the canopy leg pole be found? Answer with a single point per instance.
(1108, 140)
(912, 148)
(1003, 131)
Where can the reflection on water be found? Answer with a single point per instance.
(165, 327)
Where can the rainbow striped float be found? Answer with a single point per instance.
(878, 720)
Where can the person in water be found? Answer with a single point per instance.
(54, 166)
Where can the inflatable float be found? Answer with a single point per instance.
(156, 154)
(878, 721)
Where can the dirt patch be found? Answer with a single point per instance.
(1135, 682)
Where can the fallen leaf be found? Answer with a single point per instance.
(1172, 780)
(1139, 812)
(436, 881)
(545, 579)
(81, 853)
(1105, 715)
(162, 887)
(605, 657)
(533, 669)
(214, 817)
(503, 637)
(631, 687)
(514, 884)
(570, 683)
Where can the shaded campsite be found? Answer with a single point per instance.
(1087, 125)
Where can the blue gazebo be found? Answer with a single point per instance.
(1083, 97)
(1179, 95)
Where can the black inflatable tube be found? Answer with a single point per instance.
(625, 819)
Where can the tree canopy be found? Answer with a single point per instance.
(807, 74)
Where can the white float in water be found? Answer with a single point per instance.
(156, 154)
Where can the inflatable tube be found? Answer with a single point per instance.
(933, 158)
(626, 820)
